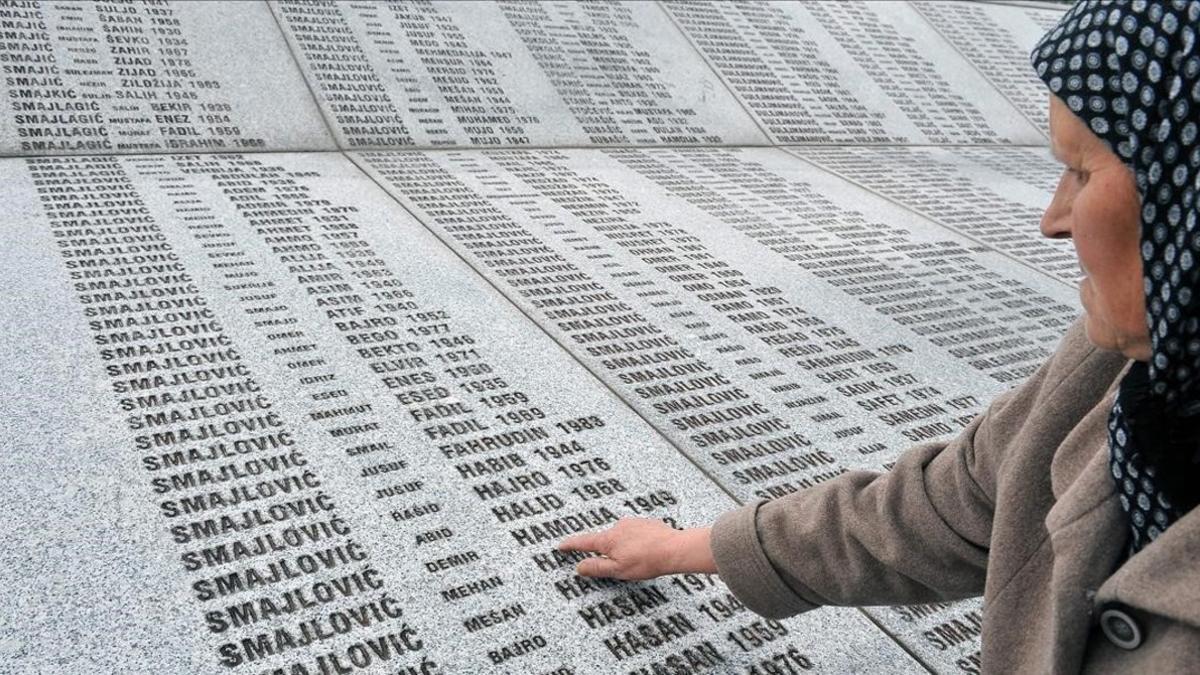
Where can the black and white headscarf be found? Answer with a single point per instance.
(1131, 72)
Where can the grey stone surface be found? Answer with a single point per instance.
(779, 325)
(996, 196)
(122, 77)
(260, 384)
(849, 72)
(480, 74)
(745, 321)
(997, 40)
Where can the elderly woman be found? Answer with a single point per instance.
(1068, 504)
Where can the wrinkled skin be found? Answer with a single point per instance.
(1097, 206)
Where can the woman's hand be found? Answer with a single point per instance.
(643, 548)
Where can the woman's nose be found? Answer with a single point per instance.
(1055, 224)
(1056, 221)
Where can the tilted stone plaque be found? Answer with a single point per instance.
(850, 72)
(996, 196)
(268, 424)
(997, 40)
(779, 325)
(125, 77)
(480, 74)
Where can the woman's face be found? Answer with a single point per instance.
(1097, 206)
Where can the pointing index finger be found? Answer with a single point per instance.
(597, 567)
(589, 541)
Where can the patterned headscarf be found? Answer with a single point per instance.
(1131, 72)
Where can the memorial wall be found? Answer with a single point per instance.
(326, 321)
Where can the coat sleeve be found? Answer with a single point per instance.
(918, 533)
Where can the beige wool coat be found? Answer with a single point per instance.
(1020, 508)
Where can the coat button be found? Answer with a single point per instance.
(1119, 627)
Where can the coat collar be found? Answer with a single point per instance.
(1079, 474)
(1164, 577)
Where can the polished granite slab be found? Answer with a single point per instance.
(269, 422)
(483, 74)
(127, 78)
(848, 72)
(995, 196)
(779, 325)
(997, 40)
